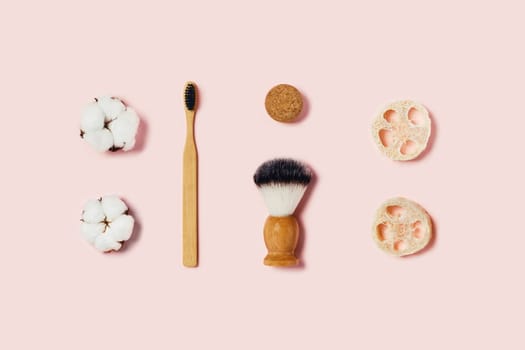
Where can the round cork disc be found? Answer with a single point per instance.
(284, 103)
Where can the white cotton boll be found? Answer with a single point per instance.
(105, 224)
(108, 125)
(92, 118)
(282, 199)
(124, 129)
(106, 243)
(111, 106)
(113, 207)
(101, 140)
(91, 231)
(93, 212)
(122, 228)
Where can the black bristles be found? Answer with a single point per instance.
(284, 171)
(190, 96)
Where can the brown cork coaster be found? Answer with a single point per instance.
(284, 103)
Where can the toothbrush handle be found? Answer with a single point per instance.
(189, 197)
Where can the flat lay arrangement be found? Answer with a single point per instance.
(401, 131)
(262, 175)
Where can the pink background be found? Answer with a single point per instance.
(463, 60)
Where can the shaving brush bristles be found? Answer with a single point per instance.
(282, 183)
(281, 200)
(281, 170)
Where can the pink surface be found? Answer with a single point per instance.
(463, 61)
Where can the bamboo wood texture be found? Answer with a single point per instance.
(189, 196)
(280, 236)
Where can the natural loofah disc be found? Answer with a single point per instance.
(284, 103)
(402, 129)
(401, 227)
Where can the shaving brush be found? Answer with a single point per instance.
(282, 183)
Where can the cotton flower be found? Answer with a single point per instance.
(106, 223)
(108, 125)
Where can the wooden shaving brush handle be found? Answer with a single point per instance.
(280, 236)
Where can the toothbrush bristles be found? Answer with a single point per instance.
(190, 95)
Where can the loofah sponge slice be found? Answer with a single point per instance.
(106, 223)
(401, 227)
(108, 125)
(402, 129)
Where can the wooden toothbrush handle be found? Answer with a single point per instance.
(189, 199)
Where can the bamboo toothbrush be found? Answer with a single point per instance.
(189, 181)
